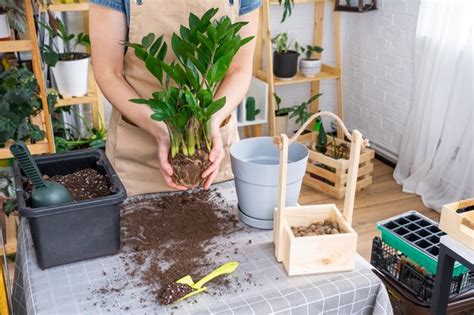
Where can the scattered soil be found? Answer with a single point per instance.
(173, 292)
(170, 237)
(187, 170)
(83, 185)
(317, 228)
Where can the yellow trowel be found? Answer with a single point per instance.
(198, 287)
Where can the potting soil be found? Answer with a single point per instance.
(170, 237)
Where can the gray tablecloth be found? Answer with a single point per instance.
(73, 288)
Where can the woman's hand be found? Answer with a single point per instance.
(159, 131)
(215, 156)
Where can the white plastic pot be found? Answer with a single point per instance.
(255, 164)
(5, 30)
(281, 124)
(72, 76)
(310, 67)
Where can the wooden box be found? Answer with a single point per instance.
(459, 225)
(329, 175)
(321, 253)
(317, 253)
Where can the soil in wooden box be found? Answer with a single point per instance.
(316, 228)
(84, 184)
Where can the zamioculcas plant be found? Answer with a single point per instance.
(204, 50)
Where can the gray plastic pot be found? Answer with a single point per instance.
(255, 164)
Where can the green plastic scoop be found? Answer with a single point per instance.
(44, 193)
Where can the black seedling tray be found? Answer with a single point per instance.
(412, 277)
(78, 230)
(417, 237)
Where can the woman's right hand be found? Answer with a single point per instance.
(160, 133)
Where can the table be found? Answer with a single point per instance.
(69, 289)
(450, 250)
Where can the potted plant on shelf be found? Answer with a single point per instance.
(19, 100)
(309, 66)
(301, 112)
(11, 14)
(70, 67)
(285, 61)
(204, 51)
(281, 116)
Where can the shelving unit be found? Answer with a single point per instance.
(264, 36)
(43, 119)
(94, 95)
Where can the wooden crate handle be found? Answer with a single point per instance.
(282, 142)
(465, 203)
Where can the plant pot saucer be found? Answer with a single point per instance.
(285, 79)
(254, 222)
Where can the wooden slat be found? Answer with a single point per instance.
(15, 45)
(337, 193)
(76, 100)
(299, 78)
(319, 171)
(37, 148)
(57, 6)
(324, 159)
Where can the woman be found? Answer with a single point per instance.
(137, 146)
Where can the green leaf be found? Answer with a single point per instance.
(138, 101)
(154, 66)
(219, 69)
(156, 45)
(193, 21)
(215, 106)
(148, 40)
(162, 53)
(50, 58)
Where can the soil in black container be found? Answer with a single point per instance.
(170, 237)
(84, 184)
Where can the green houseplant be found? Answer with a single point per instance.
(70, 67)
(288, 6)
(310, 66)
(204, 50)
(285, 60)
(301, 112)
(19, 100)
(11, 14)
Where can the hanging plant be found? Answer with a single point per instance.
(204, 50)
(288, 6)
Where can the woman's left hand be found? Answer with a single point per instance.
(215, 156)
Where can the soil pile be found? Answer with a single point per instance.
(170, 237)
(173, 292)
(83, 185)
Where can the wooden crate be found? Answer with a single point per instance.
(329, 175)
(459, 225)
(320, 253)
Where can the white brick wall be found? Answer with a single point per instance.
(378, 52)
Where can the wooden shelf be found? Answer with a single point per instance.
(251, 123)
(15, 45)
(90, 98)
(37, 148)
(57, 6)
(327, 72)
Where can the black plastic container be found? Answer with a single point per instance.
(409, 276)
(285, 66)
(79, 230)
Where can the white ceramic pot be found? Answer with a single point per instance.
(310, 67)
(72, 76)
(281, 124)
(5, 31)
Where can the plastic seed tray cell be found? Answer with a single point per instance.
(417, 237)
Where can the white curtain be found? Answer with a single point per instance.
(437, 150)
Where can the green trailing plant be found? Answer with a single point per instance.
(58, 30)
(281, 44)
(301, 112)
(16, 14)
(250, 108)
(204, 50)
(7, 192)
(288, 6)
(19, 100)
(280, 111)
(308, 51)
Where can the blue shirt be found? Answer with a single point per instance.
(246, 6)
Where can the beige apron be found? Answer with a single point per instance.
(132, 151)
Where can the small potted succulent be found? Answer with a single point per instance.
(281, 116)
(19, 100)
(204, 52)
(285, 60)
(309, 66)
(70, 67)
(11, 14)
(301, 112)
